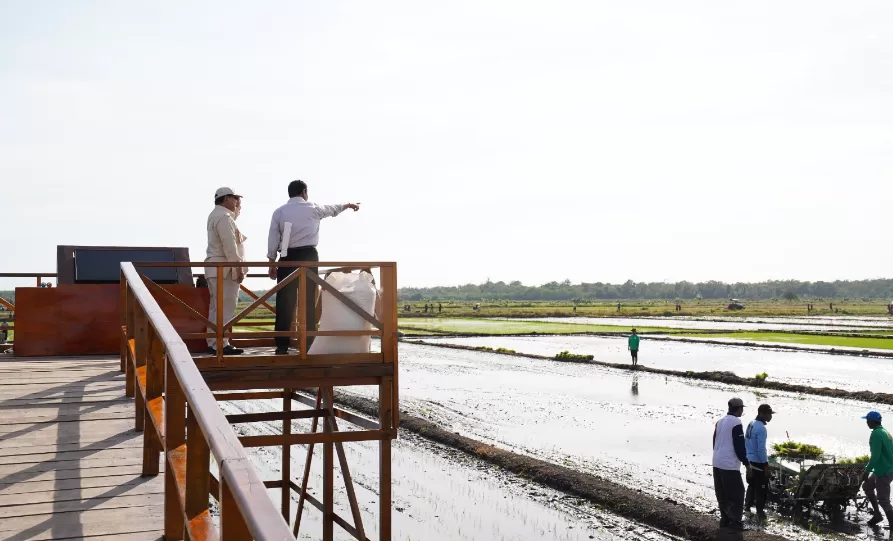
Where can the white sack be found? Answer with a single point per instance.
(336, 316)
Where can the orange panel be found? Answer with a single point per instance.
(85, 319)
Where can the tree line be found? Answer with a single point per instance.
(583, 292)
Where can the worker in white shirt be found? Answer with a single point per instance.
(729, 454)
(225, 243)
(294, 234)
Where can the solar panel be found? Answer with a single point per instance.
(92, 266)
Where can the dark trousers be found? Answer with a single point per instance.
(757, 486)
(287, 297)
(729, 495)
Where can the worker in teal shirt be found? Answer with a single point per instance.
(758, 474)
(879, 470)
(633, 346)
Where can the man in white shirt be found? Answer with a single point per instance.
(295, 227)
(225, 243)
(728, 455)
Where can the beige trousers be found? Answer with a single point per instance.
(230, 296)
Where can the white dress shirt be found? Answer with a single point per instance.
(225, 242)
(304, 218)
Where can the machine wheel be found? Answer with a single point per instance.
(834, 508)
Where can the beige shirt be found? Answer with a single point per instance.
(225, 242)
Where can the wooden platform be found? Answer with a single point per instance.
(70, 459)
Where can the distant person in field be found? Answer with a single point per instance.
(633, 347)
(225, 244)
(303, 218)
(879, 470)
(3, 332)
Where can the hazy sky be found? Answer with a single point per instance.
(593, 141)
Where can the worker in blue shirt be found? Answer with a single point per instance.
(758, 474)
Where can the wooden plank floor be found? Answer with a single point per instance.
(70, 460)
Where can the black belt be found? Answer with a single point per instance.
(301, 249)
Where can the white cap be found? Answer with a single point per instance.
(224, 191)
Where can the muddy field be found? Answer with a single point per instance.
(648, 432)
(440, 494)
(850, 373)
(731, 324)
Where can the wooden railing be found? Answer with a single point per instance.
(189, 427)
(177, 408)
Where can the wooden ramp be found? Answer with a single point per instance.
(70, 459)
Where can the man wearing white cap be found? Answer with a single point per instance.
(225, 243)
(729, 454)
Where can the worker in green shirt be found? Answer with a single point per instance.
(879, 470)
(633, 347)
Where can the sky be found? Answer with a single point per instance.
(502, 140)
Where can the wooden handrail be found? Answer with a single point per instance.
(38, 275)
(239, 481)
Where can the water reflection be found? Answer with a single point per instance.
(635, 387)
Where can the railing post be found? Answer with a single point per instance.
(141, 349)
(389, 337)
(174, 437)
(385, 402)
(286, 457)
(220, 304)
(198, 472)
(122, 299)
(232, 524)
(154, 389)
(328, 481)
(302, 311)
(130, 305)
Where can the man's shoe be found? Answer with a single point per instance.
(227, 350)
(761, 515)
(876, 519)
(724, 523)
(281, 351)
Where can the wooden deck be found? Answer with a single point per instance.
(70, 460)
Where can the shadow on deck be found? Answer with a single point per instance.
(70, 459)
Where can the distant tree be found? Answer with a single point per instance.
(565, 291)
(789, 296)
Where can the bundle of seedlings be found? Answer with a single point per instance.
(797, 450)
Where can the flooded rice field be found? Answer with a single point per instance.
(851, 373)
(729, 324)
(438, 493)
(648, 432)
(843, 321)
